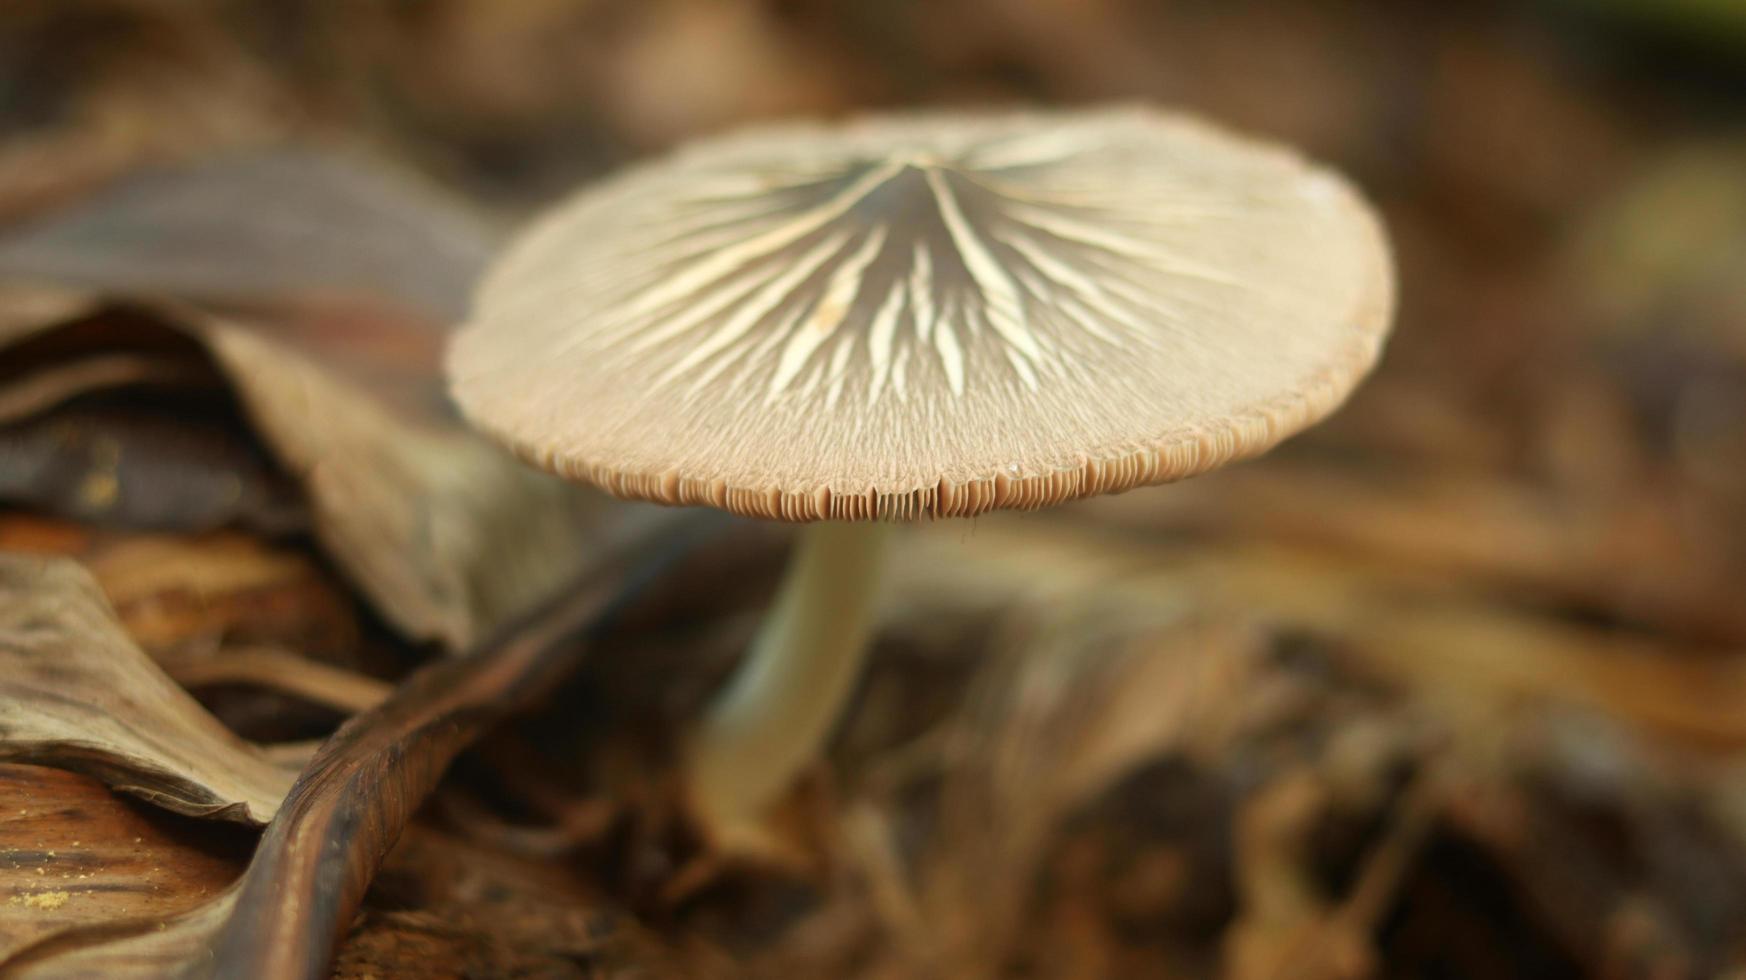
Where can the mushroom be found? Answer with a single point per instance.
(915, 316)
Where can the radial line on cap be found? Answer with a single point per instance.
(832, 307)
(755, 309)
(729, 260)
(1000, 297)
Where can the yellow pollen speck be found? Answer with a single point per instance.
(45, 901)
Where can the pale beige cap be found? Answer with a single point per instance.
(928, 314)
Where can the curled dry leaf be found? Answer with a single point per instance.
(76, 693)
(195, 602)
(445, 535)
(73, 854)
(287, 914)
(340, 274)
(476, 912)
(131, 948)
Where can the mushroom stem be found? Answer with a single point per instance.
(776, 712)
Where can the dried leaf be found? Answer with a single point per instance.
(78, 694)
(128, 948)
(286, 916)
(191, 602)
(348, 272)
(442, 904)
(73, 854)
(445, 534)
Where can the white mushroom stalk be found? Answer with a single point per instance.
(777, 712)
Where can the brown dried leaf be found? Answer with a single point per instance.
(348, 272)
(192, 602)
(129, 948)
(73, 854)
(441, 903)
(288, 913)
(445, 534)
(78, 694)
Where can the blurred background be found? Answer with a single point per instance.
(1452, 686)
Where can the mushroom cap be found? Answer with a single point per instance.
(932, 314)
